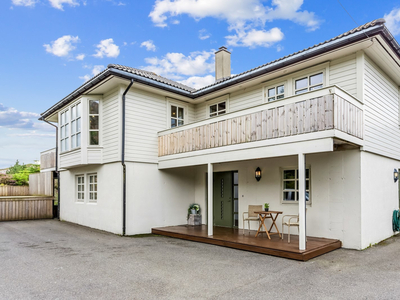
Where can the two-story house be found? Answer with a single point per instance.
(322, 125)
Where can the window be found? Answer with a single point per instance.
(92, 188)
(291, 185)
(218, 109)
(309, 83)
(276, 93)
(177, 116)
(93, 122)
(64, 131)
(80, 188)
(76, 126)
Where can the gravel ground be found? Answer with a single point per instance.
(48, 259)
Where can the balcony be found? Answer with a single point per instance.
(48, 160)
(326, 113)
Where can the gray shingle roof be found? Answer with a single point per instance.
(153, 76)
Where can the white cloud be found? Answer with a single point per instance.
(62, 46)
(59, 3)
(177, 65)
(80, 57)
(107, 48)
(242, 16)
(253, 38)
(198, 82)
(149, 45)
(24, 2)
(95, 70)
(33, 133)
(203, 34)
(393, 21)
(12, 118)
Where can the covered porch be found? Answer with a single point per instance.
(234, 238)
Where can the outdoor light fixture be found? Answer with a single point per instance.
(395, 175)
(258, 174)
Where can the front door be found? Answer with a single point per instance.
(223, 203)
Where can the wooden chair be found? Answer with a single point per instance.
(293, 220)
(252, 215)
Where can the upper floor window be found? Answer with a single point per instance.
(276, 92)
(177, 116)
(64, 131)
(93, 122)
(218, 109)
(309, 83)
(76, 126)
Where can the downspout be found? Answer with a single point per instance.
(123, 161)
(56, 171)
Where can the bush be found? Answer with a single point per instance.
(6, 179)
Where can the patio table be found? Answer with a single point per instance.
(273, 215)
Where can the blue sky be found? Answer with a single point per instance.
(50, 47)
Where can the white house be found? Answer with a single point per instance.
(322, 124)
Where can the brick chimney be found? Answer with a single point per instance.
(222, 64)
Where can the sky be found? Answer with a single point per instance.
(50, 47)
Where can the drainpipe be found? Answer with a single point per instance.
(123, 161)
(56, 171)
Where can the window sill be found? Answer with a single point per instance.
(70, 151)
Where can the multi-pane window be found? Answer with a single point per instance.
(76, 126)
(80, 188)
(64, 131)
(177, 116)
(291, 185)
(218, 109)
(276, 92)
(93, 122)
(92, 187)
(309, 83)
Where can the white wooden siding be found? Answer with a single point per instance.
(111, 135)
(246, 98)
(381, 113)
(72, 158)
(343, 73)
(94, 156)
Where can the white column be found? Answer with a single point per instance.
(210, 222)
(302, 201)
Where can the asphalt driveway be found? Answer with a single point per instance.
(56, 260)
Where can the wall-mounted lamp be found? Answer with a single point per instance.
(395, 175)
(258, 174)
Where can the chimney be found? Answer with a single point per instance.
(222, 64)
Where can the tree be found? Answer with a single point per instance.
(16, 168)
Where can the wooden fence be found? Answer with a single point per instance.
(41, 184)
(312, 115)
(9, 190)
(25, 208)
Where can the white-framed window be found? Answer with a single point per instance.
(217, 109)
(275, 92)
(177, 115)
(80, 188)
(92, 181)
(290, 185)
(94, 122)
(64, 131)
(309, 83)
(76, 125)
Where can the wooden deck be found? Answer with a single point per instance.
(233, 238)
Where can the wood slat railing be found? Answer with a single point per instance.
(311, 115)
(48, 159)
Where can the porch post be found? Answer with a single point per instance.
(210, 222)
(302, 201)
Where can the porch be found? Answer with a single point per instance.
(233, 238)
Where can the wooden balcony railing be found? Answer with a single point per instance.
(325, 109)
(48, 159)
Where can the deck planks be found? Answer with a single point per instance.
(233, 238)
